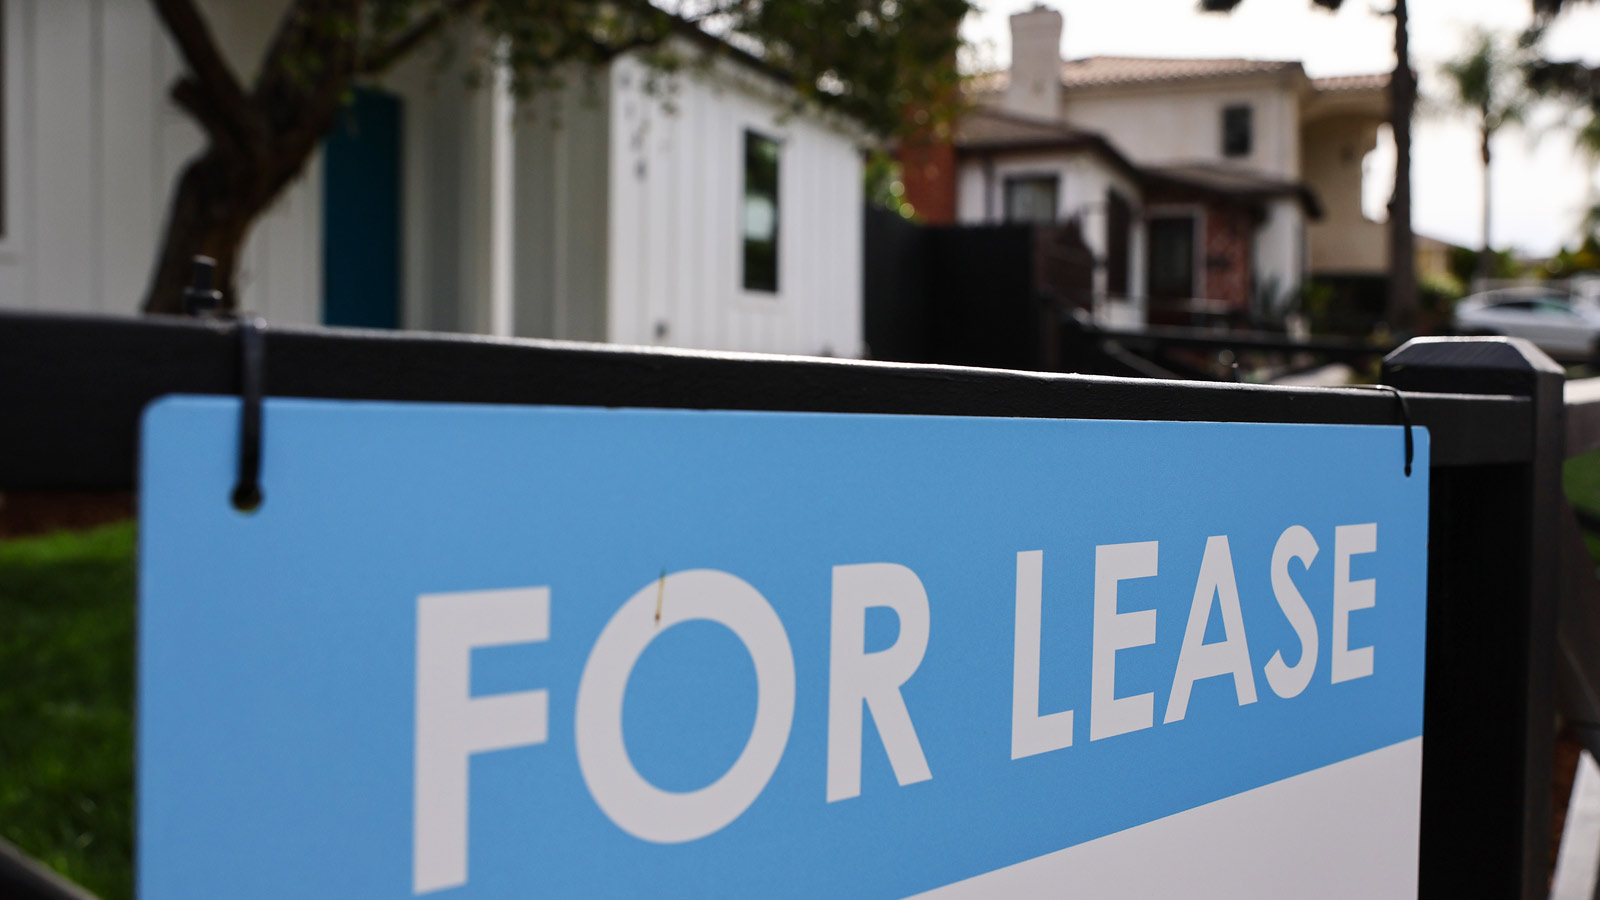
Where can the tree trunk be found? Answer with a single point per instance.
(1486, 257)
(208, 216)
(257, 142)
(1402, 243)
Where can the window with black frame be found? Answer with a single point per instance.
(1236, 131)
(1031, 199)
(760, 215)
(1171, 263)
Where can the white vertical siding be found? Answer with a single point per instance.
(675, 218)
(423, 303)
(17, 273)
(93, 147)
(65, 232)
(446, 208)
(133, 205)
(559, 232)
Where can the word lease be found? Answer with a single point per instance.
(452, 725)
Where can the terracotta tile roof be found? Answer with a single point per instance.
(1352, 82)
(1095, 71)
(1102, 70)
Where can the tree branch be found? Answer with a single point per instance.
(187, 93)
(305, 73)
(605, 53)
(423, 28)
(689, 26)
(212, 74)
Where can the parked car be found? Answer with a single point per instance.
(1558, 324)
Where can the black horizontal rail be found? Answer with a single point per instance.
(1231, 339)
(72, 388)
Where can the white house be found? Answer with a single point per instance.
(1257, 123)
(696, 211)
(1012, 167)
(1242, 177)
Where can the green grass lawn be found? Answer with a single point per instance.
(66, 703)
(1581, 478)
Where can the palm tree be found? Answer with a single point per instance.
(1575, 85)
(1588, 141)
(1485, 83)
(1591, 222)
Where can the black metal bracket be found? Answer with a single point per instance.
(201, 298)
(252, 360)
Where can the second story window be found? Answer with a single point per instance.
(1031, 199)
(1236, 128)
(760, 213)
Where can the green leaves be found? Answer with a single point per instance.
(873, 59)
(1487, 81)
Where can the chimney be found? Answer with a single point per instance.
(1035, 88)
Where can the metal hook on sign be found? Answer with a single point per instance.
(252, 359)
(1405, 420)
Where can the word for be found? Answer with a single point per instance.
(452, 725)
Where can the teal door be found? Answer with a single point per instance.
(361, 214)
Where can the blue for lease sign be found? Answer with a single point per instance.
(476, 651)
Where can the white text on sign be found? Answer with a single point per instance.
(452, 725)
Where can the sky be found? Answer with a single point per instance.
(1540, 184)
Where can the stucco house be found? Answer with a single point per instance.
(1223, 184)
(699, 210)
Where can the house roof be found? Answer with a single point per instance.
(988, 130)
(1231, 181)
(1094, 71)
(1352, 82)
(1102, 71)
(985, 130)
(985, 126)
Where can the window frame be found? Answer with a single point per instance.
(747, 133)
(1017, 179)
(1196, 214)
(1248, 115)
(1119, 205)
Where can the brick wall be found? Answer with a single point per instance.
(928, 171)
(1229, 233)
